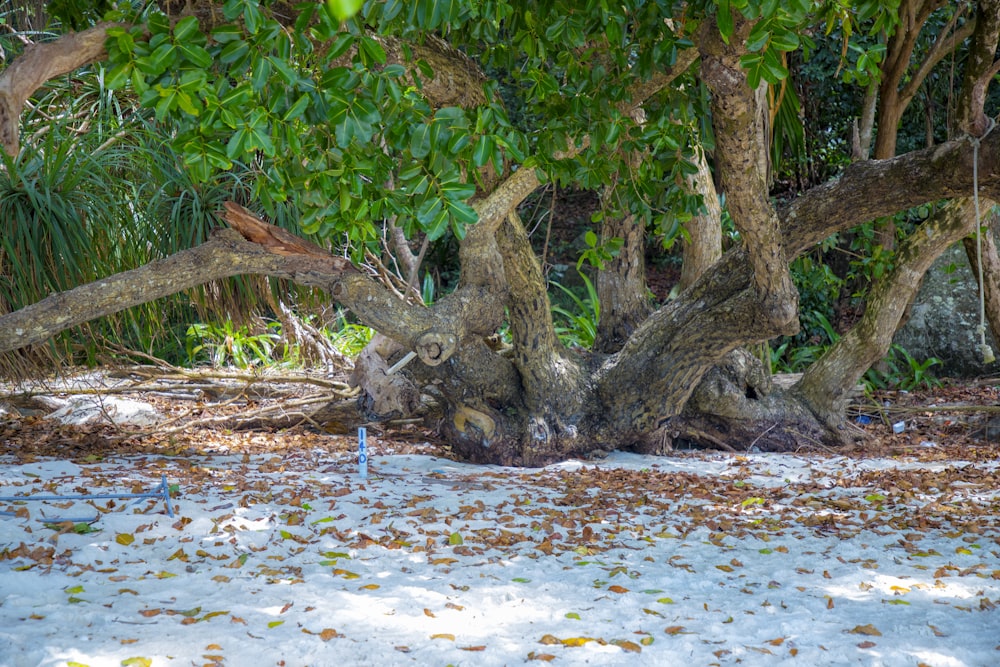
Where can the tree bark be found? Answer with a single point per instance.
(826, 385)
(738, 119)
(621, 285)
(991, 269)
(705, 229)
(38, 64)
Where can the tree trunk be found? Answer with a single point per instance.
(991, 268)
(705, 229)
(621, 285)
(678, 375)
(827, 384)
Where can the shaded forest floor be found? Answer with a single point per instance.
(218, 413)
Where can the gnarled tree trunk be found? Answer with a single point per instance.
(677, 374)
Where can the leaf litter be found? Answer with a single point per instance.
(887, 557)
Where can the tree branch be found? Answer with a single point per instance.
(876, 188)
(38, 64)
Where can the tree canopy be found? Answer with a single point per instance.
(382, 128)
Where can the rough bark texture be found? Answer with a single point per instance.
(621, 285)
(677, 375)
(738, 115)
(38, 64)
(705, 229)
(986, 248)
(826, 385)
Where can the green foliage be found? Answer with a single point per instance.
(227, 345)
(902, 371)
(819, 292)
(351, 338)
(576, 324)
(78, 14)
(263, 344)
(596, 253)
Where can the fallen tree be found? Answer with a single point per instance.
(679, 374)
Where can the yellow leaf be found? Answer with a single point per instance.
(776, 642)
(549, 640)
(963, 550)
(137, 662)
(369, 587)
(444, 635)
(724, 568)
(213, 647)
(428, 612)
(472, 648)
(329, 633)
(346, 574)
(868, 629)
(576, 641)
(213, 614)
(274, 624)
(124, 539)
(178, 555)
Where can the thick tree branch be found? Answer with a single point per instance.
(979, 70)
(876, 188)
(945, 42)
(826, 384)
(225, 254)
(738, 117)
(38, 64)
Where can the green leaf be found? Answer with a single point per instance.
(157, 62)
(118, 76)
(196, 55)
(724, 19)
(430, 212)
(234, 52)
(371, 51)
(483, 150)
(785, 40)
(420, 141)
(455, 539)
(344, 9)
(185, 29)
(297, 109)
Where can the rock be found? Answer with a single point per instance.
(944, 322)
(79, 410)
